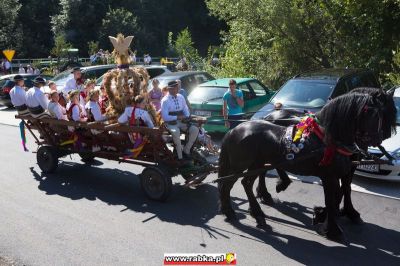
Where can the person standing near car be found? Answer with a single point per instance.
(18, 96)
(233, 104)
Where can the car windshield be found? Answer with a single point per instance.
(203, 94)
(99, 80)
(62, 75)
(303, 94)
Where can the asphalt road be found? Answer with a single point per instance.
(97, 215)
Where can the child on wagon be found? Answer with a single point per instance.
(136, 115)
(75, 111)
(93, 110)
(55, 109)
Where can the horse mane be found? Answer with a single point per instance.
(389, 109)
(339, 116)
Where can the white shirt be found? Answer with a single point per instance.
(29, 70)
(57, 111)
(18, 96)
(35, 97)
(37, 71)
(21, 70)
(95, 111)
(70, 86)
(173, 104)
(139, 113)
(76, 112)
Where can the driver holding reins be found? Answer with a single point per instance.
(174, 112)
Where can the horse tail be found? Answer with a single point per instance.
(223, 164)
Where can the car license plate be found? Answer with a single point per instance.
(202, 113)
(373, 168)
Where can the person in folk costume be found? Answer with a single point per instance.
(36, 100)
(174, 111)
(18, 95)
(135, 115)
(84, 94)
(55, 108)
(75, 111)
(93, 109)
(103, 100)
(74, 83)
(155, 95)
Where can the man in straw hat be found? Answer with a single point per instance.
(18, 96)
(36, 100)
(174, 110)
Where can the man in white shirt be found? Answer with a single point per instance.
(36, 100)
(74, 83)
(21, 69)
(173, 111)
(18, 96)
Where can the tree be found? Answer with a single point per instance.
(273, 40)
(117, 21)
(10, 30)
(79, 21)
(60, 46)
(184, 46)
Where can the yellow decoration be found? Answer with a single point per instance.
(9, 54)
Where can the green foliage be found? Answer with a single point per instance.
(273, 40)
(117, 21)
(93, 47)
(60, 46)
(394, 76)
(184, 46)
(170, 51)
(10, 29)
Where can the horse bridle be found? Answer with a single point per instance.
(379, 133)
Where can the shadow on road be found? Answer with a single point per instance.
(117, 187)
(370, 244)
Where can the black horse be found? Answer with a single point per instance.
(253, 144)
(288, 117)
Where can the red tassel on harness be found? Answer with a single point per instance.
(329, 152)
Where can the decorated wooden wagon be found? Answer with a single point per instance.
(59, 138)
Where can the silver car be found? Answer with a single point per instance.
(392, 146)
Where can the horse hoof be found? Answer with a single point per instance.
(334, 233)
(353, 215)
(267, 200)
(230, 216)
(261, 223)
(282, 185)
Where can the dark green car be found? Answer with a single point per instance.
(206, 99)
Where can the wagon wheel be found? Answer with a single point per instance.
(156, 183)
(87, 157)
(47, 159)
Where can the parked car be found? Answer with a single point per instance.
(392, 146)
(153, 70)
(206, 99)
(91, 72)
(7, 83)
(189, 79)
(312, 90)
